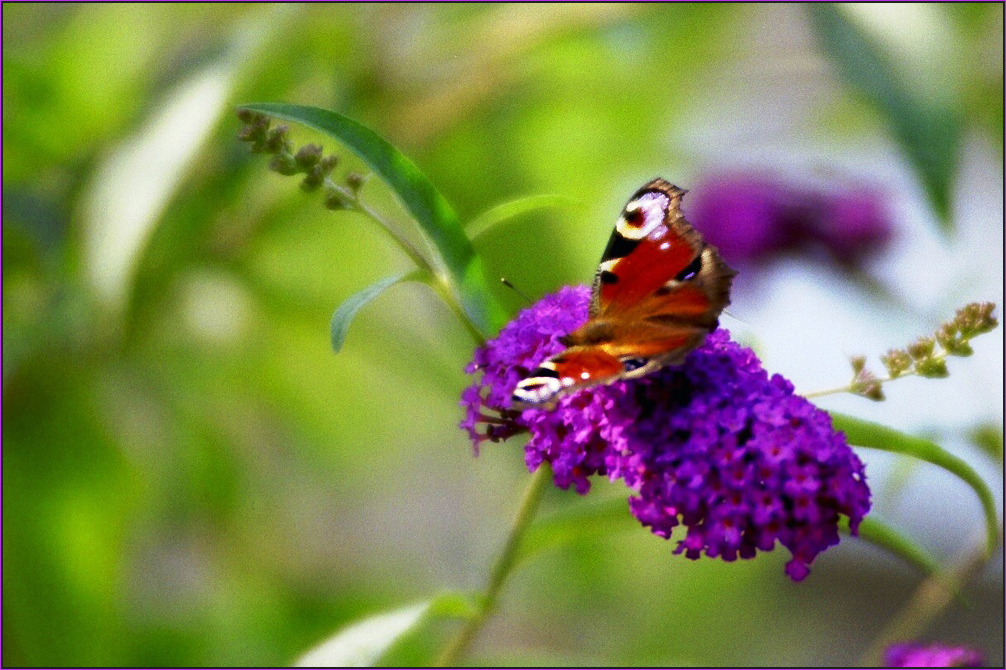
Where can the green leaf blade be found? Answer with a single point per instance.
(514, 208)
(875, 436)
(926, 125)
(430, 209)
(581, 521)
(345, 313)
(883, 536)
(366, 642)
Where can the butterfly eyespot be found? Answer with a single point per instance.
(691, 270)
(658, 291)
(634, 218)
(631, 363)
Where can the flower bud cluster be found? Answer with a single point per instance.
(309, 160)
(926, 356)
(925, 359)
(864, 382)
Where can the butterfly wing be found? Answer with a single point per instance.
(659, 290)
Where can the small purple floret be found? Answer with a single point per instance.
(916, 655)
(715, 445)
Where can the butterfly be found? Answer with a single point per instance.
(658, 291)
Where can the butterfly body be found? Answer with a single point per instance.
(657, 293)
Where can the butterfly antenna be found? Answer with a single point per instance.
(733, 316)
(506, 282)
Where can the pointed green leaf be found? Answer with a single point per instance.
(514, 208)
(350, 306)
(133, 185)
(883, 536)
(430, 209)
(365, 643)
(921, 114)
(576, 522)
(594, 519)
(875, 436)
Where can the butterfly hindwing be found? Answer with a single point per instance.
(658, 291)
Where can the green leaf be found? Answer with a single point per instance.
(989, 438)
(875, 436)
(430, 209)
(922, 117)
(350, 306)
(593, 519)
(881, 535)
(366, 642)
(134, 184)
(583, 520)
(514, 208)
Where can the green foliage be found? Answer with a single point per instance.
(875, 436)
(343, 316)
(512, 209)
(594, 520)
(367, 641)
(925, 121)
(420, 197)
(193, 479)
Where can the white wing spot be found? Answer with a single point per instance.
(654, 206)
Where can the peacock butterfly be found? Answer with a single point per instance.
(657, 293)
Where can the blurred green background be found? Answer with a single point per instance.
(190, 476)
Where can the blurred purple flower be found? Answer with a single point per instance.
(714, 445)
(752, 218)
(916, 655)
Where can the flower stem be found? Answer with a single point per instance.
(848, 388)
(444, 288)
(440, 282)
(931, 597)
(456, 649)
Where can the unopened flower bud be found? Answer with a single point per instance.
(897, 362)
(867, 385)
(276, 141)
(976, 319)
(308, 156)
(335, 200)
(355, 180)
(921, 348)
(284, 164)
(248, 116)
(946, 335)
(857, 363)
(255, 132)
(952, 342)
(313, 180)
(328, 164)
(931, 367)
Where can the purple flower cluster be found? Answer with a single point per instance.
(715, 445)
(752, 218)
(915, 655)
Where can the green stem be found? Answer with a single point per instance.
(932, 596)
(500, 571)
(441, 282)
(875, 436)
(410, 250)
(848, 388)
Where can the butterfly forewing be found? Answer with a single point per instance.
(658, 291)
